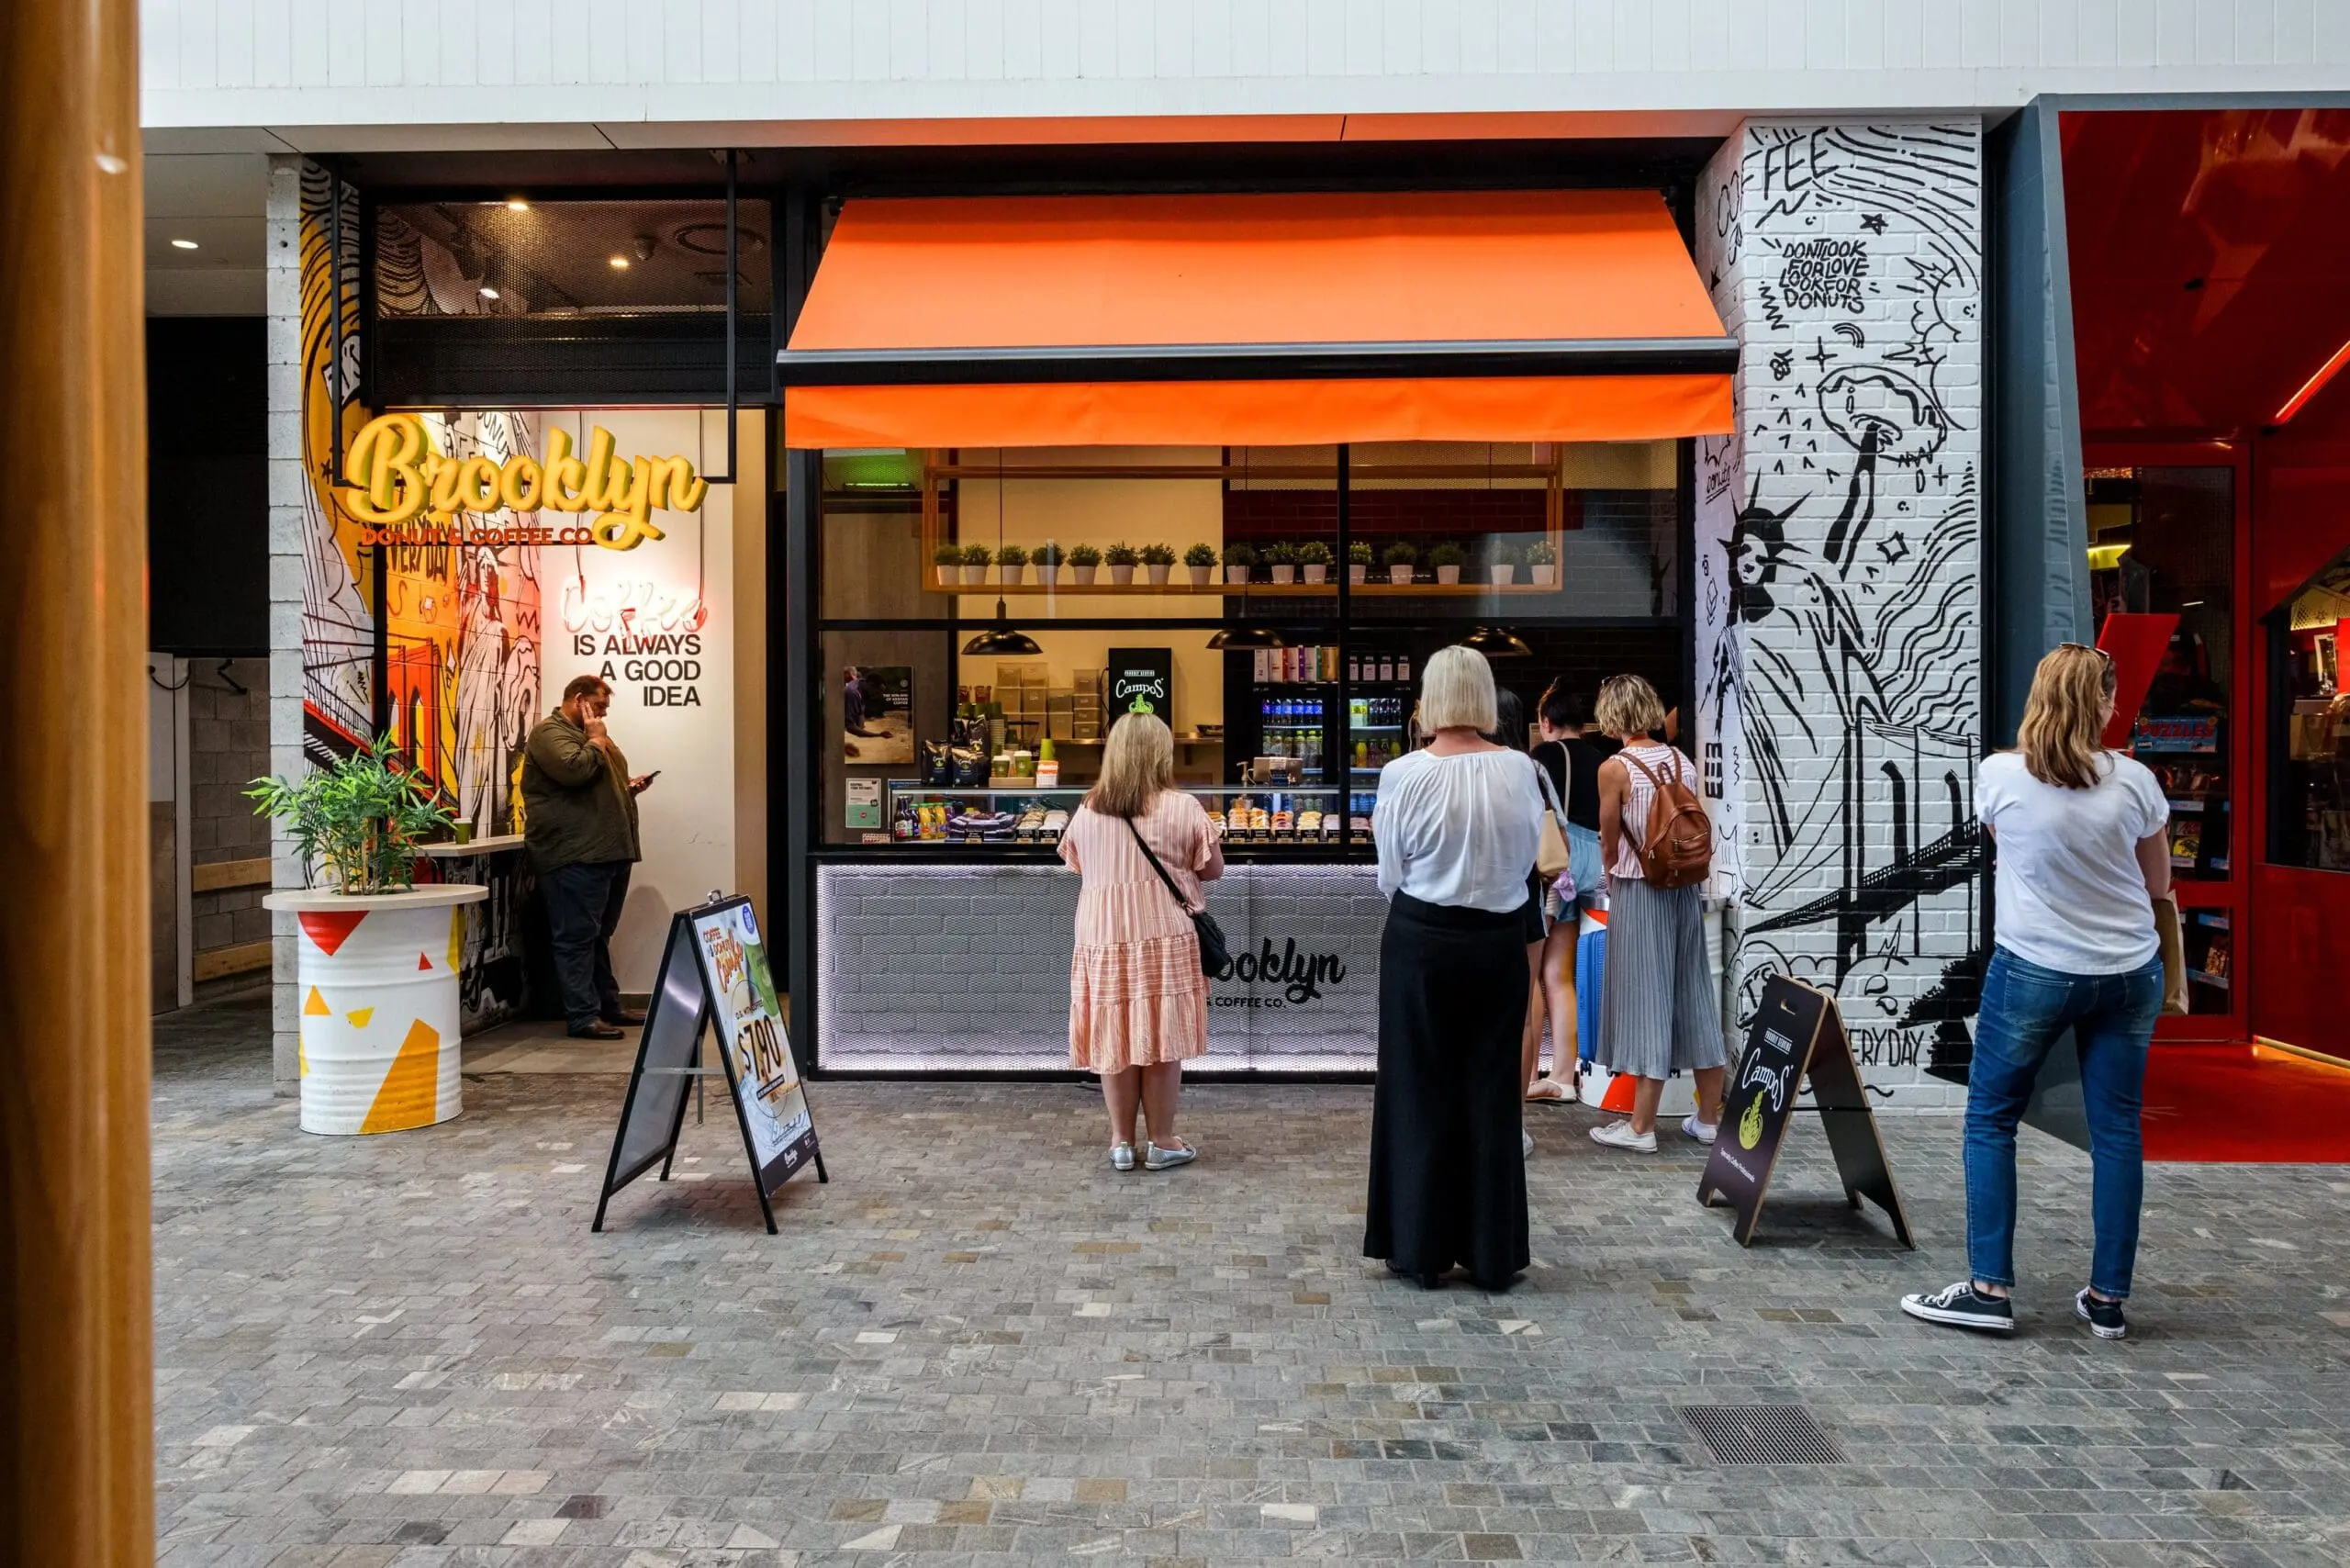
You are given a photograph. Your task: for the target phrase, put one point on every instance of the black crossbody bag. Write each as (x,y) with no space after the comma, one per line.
(1214,958)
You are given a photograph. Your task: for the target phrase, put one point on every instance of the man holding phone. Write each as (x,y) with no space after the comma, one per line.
(579,824)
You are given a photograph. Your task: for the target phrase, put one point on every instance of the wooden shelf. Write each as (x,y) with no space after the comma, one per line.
(1254,590)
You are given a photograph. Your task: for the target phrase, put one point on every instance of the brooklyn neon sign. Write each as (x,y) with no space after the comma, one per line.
(396,479)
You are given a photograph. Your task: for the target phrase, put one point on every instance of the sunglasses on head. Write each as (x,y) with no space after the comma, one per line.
(2083,647)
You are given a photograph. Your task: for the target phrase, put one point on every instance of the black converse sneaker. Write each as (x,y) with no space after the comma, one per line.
(1962,1306)
(2104,1317)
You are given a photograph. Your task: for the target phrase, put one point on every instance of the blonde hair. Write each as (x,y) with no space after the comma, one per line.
(2061,735)
(1457,692)
(1137,762)
(1628,708)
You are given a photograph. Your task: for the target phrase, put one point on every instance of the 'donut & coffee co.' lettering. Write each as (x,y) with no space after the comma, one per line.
(1302,975)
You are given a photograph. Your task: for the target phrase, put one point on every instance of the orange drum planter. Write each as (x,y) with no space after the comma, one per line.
(378,1005)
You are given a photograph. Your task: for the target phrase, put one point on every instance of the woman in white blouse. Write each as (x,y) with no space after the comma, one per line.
(1457,825)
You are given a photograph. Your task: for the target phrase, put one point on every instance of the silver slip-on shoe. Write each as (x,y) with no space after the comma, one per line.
(1121,1157)
(1157,1158)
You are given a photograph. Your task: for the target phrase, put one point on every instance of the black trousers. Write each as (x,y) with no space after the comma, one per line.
(1447,1179)
(583,911)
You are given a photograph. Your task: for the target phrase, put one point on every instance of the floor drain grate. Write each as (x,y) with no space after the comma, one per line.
(1761,1434)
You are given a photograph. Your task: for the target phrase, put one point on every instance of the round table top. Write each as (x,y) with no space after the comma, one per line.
(442,895)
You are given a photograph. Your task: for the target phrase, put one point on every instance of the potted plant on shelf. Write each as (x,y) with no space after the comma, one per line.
(1049,563)
(1121,559)
(1401,559)
(1012,566)
(361,818)
(1082,560)
(1542,561)
(1314,561)
(1504,563)
(1357,562)
(1200,560)
(975,564)
(1281,562)
(948,559)
(1237,560)
(1447,559)
(1157,561)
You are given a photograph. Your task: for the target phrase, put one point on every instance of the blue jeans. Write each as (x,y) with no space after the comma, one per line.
(2025,1009)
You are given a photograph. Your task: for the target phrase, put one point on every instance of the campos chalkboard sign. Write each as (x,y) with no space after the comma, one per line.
(715,972)
(1796,1034)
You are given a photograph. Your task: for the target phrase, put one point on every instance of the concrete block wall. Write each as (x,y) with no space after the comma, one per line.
(1839,545)
(227,747)
(287,485)
(945,967)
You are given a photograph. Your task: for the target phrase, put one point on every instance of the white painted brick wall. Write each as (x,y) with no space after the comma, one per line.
(286,534)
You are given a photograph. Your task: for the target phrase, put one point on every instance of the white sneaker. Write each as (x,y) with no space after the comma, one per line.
(1121,1157)
(1702,1131)
(1157,1158)
(1526,1145)
(1619,1135)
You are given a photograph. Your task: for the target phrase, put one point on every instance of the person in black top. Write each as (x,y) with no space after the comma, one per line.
(1572,763)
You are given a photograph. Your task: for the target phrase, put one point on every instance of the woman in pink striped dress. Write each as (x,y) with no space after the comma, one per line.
(1138,1000)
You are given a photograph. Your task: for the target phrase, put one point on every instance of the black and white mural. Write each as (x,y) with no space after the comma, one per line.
(1838,539)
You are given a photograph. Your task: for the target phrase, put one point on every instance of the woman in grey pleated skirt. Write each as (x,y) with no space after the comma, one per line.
(1657,1012)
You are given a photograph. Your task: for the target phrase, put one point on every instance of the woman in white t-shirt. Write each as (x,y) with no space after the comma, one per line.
(1458,827)
(2082,841)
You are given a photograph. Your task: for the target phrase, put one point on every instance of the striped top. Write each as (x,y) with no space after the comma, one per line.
(1665,763)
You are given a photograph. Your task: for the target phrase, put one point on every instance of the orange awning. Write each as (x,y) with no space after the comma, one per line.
(1256,320)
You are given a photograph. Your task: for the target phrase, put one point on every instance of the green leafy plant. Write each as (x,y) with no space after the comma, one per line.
(1505,553)
(976,555)
(1084,555)
(1011,555)
(1278,554)
(1447,555)
(1314,553)
(1157,555)
(1240,555)
(1541,553)
(1402,555)
(361,818)
(1048,554)
(1358,553)
(1120,555)
(1200,555)
(947,555)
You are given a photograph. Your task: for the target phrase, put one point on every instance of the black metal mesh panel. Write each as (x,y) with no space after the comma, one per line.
(497,303)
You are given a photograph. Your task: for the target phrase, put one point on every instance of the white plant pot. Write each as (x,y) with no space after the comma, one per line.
(1084,576)
(1236,575)
(1157,574)
(1284,574)
(1200,574)
(1504,576)
(1012,577)
(1120,577)
(1400,575)
(1049,575)
(1356,575)
(949,576)
(975,577)
(1315,574)
(1542,577)
(1447,575)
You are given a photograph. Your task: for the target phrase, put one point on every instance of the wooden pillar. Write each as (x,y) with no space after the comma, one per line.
(76,1351)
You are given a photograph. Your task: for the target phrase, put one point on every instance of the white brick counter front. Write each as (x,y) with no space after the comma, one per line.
(952,968)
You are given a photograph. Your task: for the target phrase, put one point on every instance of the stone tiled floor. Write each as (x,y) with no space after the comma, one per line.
(979,1345)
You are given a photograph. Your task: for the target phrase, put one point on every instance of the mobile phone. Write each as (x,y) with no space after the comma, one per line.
(652,776)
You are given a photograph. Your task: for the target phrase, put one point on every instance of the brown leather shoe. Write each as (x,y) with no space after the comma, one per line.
(630,1017)
(598,1031)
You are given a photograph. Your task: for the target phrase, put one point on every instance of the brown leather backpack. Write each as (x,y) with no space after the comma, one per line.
(1678,848)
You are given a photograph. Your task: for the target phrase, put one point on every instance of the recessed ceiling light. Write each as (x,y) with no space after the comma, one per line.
(487,293)
(183,244)
(516,204)
(620,263)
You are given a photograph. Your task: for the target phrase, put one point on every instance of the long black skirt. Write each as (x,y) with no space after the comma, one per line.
(1447,1179)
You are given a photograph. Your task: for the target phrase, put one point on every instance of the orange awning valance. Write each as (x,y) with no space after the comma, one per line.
(1256,320)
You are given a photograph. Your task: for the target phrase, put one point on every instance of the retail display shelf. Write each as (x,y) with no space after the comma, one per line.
(1254,590)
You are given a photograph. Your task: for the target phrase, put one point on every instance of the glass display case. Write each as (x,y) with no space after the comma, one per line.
(1014,815)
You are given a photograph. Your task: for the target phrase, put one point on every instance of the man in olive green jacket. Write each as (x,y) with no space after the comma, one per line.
(579,822)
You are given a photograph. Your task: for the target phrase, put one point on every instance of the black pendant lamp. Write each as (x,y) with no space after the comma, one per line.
(1497,642)
(1247,639)
(1003,640)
